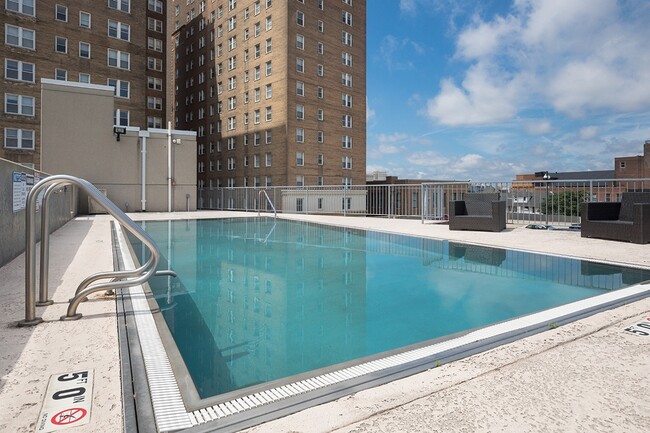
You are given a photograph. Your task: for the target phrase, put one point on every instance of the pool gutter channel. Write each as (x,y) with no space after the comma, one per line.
(288,398)
(136,400)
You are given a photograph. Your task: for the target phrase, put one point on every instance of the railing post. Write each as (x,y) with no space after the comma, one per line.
(45,248)
(30,258)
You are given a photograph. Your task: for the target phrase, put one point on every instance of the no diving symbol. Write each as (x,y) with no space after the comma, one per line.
(69,416)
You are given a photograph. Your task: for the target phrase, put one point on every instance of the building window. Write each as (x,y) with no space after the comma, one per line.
(300,65)
(346,79)
(269,45)
(622,164)
(346,17)
(269,114)
(121,118)
(157,45)
(346,162)
(269,91)
(121,88)
(19,71)
(119,30)
(320,48)
(300,88)
(61,74)
(300,181)
(119,59)
(61,13)
(84,20)
(269,68)
(346,59)
(320,136)
(84,50)
(154,103)
(156,6)
(299,201)
(19,37)
(18,104)
(300,42)
(19,139)
(154,64)
(61,45)
(155,25)
(84,78)
(346,100)
(154,122)
(346,121)
(268,159)
(300,158)
(320,92)
(25,7)
(320,114)
(300,135)
(320,26)
(123,5)
(346,142)
(300,112)
(268,137)
(320,70)
(346,38)
(320,159)
(300,18)
(154,83)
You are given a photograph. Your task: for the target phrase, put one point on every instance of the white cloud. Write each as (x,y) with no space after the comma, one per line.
(370,113)
(479,100)
(407,6)
(573,57)
(589,132)
(538,127)
(398,54)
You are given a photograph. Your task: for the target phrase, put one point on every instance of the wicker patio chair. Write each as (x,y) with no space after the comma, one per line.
(627,220)
(479,211)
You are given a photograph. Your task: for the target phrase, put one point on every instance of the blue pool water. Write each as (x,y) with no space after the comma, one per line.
(258,300)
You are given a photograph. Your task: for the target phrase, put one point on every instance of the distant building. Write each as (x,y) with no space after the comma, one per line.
(119,43)
(276,91)
(634,167)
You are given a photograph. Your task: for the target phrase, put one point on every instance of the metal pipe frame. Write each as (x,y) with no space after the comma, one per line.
(268,199)
(147,270)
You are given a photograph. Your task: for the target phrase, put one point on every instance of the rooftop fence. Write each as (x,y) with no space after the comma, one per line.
(553,202)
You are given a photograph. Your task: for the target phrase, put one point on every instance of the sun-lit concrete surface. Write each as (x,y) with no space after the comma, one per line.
(589,376)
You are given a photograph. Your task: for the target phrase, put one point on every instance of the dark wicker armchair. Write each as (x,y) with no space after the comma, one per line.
(627,220)
(479,211)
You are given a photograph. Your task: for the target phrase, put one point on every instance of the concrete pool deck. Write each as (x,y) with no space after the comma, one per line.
(590,375)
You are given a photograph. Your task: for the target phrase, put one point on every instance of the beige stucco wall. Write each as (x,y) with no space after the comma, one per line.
(78,139)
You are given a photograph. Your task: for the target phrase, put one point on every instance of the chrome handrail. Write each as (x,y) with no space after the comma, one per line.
(143,273)
(268,199)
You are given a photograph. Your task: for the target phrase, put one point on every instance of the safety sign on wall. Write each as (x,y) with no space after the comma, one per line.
(22,183)
(67,401)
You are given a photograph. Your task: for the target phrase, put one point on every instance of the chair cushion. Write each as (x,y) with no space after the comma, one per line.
(480,204)
(627,204)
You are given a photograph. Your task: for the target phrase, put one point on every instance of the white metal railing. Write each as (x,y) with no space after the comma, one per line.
(535,201)
(268,200)
(119,279)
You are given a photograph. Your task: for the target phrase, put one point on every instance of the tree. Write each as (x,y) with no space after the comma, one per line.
(565,203)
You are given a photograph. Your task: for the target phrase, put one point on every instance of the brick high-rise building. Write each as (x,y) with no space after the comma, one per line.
(276,90)
(121,43)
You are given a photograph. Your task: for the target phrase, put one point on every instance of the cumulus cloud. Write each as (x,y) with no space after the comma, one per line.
(574,58)
(589,132)
(480,99)
(538,127)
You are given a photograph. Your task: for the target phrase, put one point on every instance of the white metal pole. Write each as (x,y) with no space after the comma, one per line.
(169,166)
(144,173)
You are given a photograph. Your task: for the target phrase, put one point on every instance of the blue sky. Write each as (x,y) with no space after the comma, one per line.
(484,90)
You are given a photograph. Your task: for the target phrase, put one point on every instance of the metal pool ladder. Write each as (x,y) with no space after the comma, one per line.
(119,279)
(268,200)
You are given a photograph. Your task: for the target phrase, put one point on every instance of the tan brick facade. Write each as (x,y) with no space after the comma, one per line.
(82,29)
(237,61)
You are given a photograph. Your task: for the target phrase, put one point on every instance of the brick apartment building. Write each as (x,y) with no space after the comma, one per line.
(275,90)
(121,43)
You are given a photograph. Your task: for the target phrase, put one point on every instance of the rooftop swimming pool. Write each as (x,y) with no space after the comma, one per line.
(259,302)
